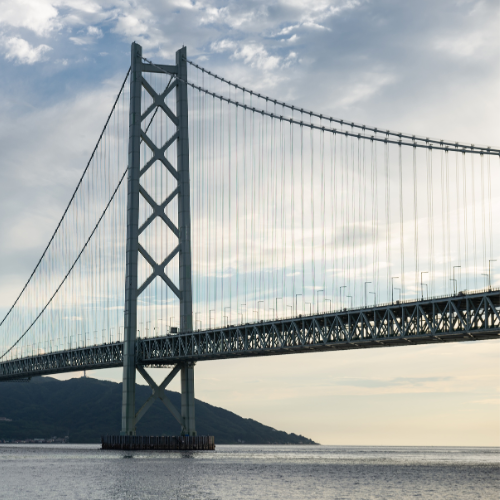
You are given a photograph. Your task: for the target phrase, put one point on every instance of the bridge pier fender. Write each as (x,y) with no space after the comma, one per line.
(187,400)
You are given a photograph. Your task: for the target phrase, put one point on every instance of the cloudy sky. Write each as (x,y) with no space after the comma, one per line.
(426,67)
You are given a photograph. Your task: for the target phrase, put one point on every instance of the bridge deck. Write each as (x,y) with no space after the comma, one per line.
(448,319)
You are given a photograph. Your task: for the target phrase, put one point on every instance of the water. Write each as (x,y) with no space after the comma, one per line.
(249,472)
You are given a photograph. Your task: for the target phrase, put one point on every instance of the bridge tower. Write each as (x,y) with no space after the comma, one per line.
(183,232)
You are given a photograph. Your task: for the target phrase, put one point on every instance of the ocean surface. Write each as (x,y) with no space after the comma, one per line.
(249,472)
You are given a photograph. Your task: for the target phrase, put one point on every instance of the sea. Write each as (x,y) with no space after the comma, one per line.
(85,472)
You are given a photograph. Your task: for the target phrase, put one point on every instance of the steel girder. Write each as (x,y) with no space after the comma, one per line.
(449,319)
(86,358)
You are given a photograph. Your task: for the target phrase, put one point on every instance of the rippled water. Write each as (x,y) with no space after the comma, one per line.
(249,472)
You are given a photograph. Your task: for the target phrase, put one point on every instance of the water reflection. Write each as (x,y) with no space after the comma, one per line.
(249,472)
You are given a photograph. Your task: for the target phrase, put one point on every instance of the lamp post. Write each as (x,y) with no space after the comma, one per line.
(277,298)
(399,290)
(349,297)
(329,300)
(489,272)
(393,278)
(366,300)
(456,282)
(422,282)
(296,310)
(374,298)
(341,301)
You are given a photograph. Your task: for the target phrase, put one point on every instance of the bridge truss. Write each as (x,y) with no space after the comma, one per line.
(449,319)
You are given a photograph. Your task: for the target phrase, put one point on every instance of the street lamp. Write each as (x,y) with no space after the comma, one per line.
(341,301)
(349,297)
(296,310)
(393,278)
(366,300)
(456,282)
(489,272)
(277,298)
(399,290)
(422,283)
(329,300)
(374,298)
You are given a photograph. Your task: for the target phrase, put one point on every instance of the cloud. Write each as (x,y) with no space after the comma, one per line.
(78,41)
(257,56)
(92,35)
(394,382)
(131,25)
(22,52)
(46,17)
(286,31)
(233,16)
(222,45)
(366,86)
(461,46)
(39,16)
(315,14)
(94,31)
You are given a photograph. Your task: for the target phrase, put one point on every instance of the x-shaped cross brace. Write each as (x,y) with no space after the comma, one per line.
(159,100)
(158,393)
(159,270)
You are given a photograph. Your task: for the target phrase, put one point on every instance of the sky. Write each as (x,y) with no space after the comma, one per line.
(426,67)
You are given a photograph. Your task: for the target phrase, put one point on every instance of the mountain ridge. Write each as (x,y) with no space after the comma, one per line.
(87,408)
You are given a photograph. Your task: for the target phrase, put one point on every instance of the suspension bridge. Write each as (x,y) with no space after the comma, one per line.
(214,222)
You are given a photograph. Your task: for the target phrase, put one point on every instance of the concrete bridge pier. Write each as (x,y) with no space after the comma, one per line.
(187,400)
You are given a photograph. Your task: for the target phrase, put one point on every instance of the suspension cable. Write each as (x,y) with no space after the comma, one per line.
(70,201)
(340,121)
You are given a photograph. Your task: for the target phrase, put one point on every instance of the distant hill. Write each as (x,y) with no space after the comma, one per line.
(87,408)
